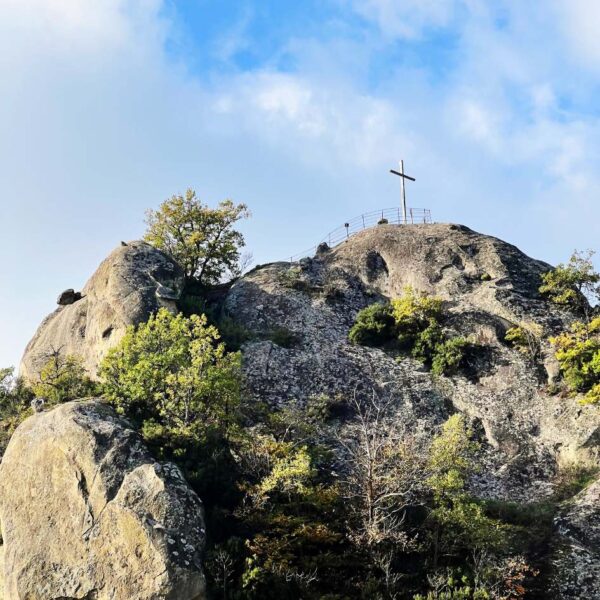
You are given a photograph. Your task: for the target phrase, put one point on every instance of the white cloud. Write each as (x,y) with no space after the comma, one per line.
(97,121)
(407,18)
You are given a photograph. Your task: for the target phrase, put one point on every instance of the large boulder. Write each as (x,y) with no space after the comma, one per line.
(86,513)
(134,281)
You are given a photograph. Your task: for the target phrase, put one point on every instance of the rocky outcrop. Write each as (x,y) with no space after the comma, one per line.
(577,559)
(488,286)
(133,282)
(86,513)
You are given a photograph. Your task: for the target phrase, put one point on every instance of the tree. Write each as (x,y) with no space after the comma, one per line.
(460,521)
(578,353)
(201,239)
(574,285)
(173,370)
(15,397)
(383,469)
(63,378)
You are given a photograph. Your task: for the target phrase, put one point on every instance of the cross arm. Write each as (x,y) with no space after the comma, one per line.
(402,175)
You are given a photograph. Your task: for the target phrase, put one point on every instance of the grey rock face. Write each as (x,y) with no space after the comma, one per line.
(86,512)
(487,285)
(577,557)
(133,282)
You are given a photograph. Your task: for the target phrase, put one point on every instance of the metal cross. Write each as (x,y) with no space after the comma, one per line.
(402,187)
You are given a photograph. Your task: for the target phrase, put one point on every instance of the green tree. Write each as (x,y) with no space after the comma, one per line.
(460,521)
(15,397)
(578,353)
(574,285)
(173,370)
(201,239)
(63,378)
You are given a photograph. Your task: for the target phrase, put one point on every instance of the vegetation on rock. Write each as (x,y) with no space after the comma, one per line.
(412,323)
(201,239)
(576,285)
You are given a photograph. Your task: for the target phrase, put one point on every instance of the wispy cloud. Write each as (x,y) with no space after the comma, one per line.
(492,105)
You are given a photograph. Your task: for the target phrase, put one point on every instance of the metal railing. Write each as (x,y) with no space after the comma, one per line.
(392,216)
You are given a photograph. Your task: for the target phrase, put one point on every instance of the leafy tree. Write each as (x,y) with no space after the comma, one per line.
(578,353)
(201,239)
(63,378)
(460,521)
(15,397)
(574,285)
(173,370)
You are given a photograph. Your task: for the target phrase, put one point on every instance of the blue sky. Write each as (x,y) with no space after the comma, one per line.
(298,109)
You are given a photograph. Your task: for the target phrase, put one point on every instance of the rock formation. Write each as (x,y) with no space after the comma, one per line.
(488,286)
(90,514)
(298,316)
(134,281)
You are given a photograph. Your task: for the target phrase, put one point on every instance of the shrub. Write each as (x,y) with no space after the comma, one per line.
(413,313)
(573,284)
(175,371)
(374,326)
(578,353)
(64,378)
(15,397)
(448,356)
(526,338)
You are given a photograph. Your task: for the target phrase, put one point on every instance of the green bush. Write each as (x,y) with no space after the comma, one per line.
(578,353)
(64,378)
(374,326)
(412,323)
(448,357)
(15,397)
(173,370)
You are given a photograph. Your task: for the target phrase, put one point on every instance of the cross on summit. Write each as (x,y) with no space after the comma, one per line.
(403,176)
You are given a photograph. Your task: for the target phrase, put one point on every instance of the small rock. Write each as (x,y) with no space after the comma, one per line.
(67,297)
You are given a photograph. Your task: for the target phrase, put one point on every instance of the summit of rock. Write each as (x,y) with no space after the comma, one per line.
(134,281)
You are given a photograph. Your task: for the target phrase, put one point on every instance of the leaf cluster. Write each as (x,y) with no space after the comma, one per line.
(201,239)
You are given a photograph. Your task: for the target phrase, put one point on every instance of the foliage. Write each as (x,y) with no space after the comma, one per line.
(201,239)
(15,397)
(460,520)
(578,353)
(413,314)
(448,356)
(526,338)
(233,334)
(373,326)
(412,323)
(173,370)
(574,284)
(63,378)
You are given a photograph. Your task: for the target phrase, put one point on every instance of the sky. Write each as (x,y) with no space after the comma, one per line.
(298,109)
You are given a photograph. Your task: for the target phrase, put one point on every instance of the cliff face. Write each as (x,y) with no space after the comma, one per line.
(488,286)
(297,318)
(130,284)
